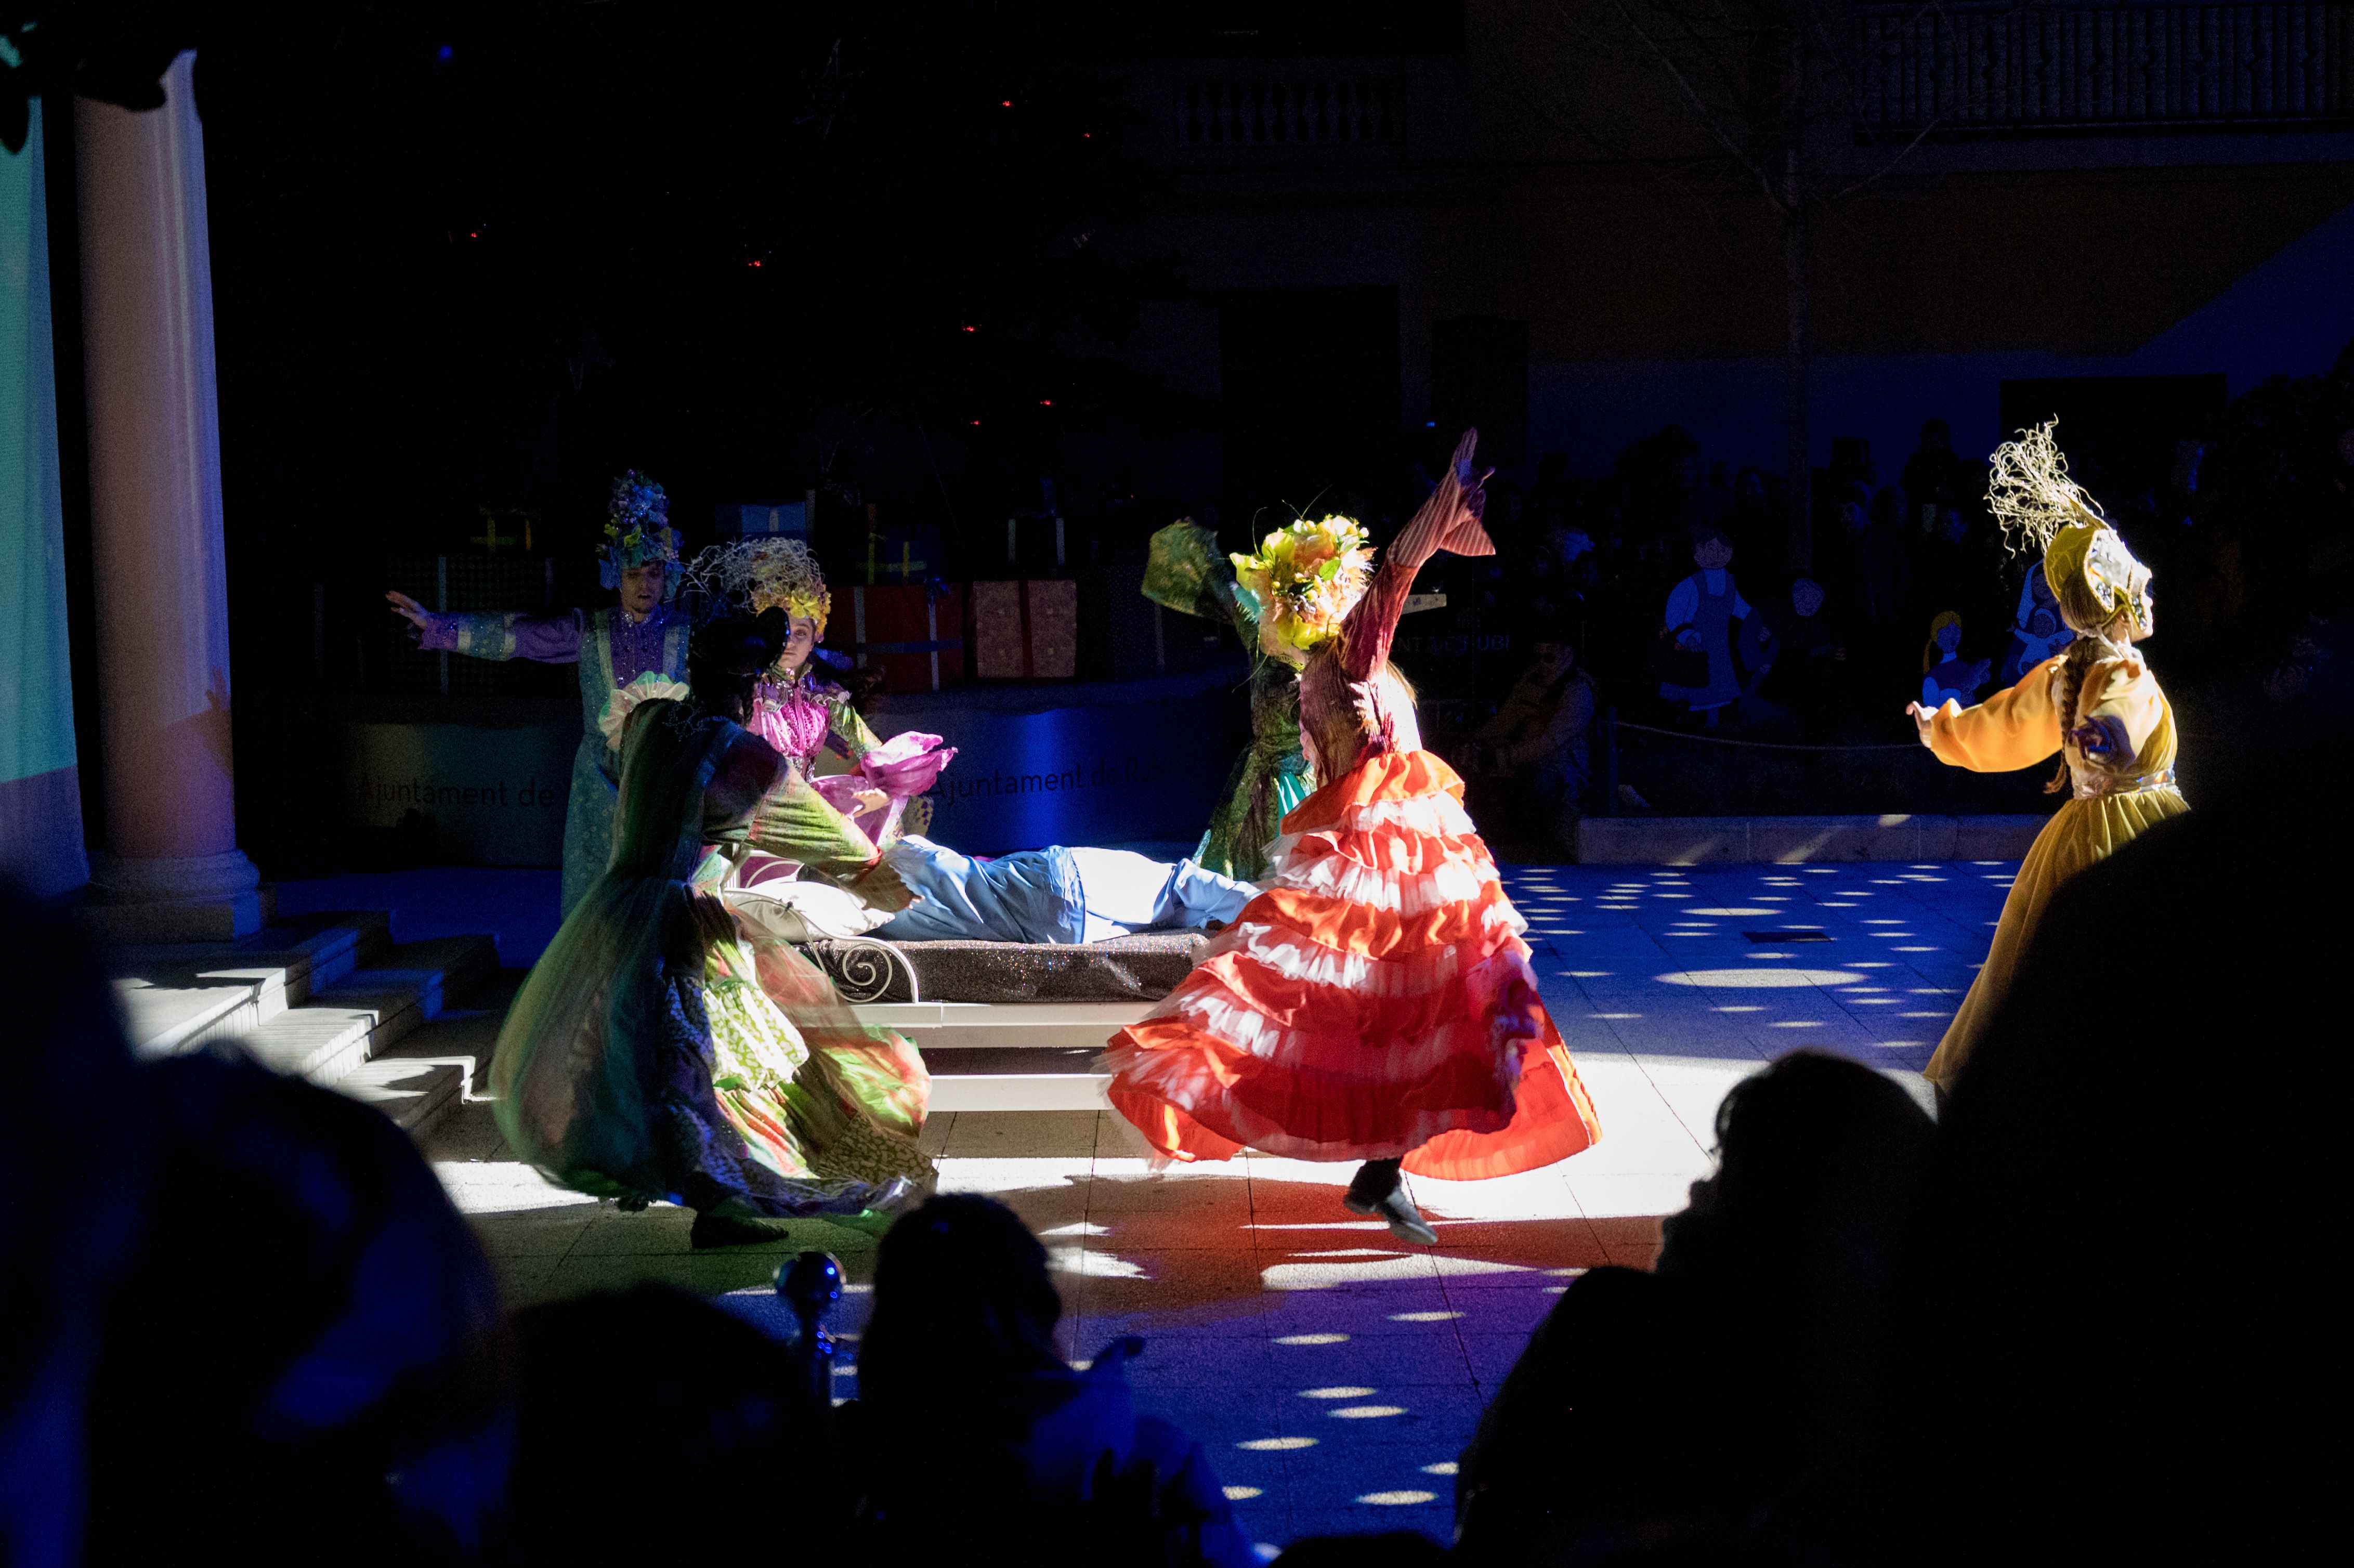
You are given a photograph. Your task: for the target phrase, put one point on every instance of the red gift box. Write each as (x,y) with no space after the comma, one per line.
(1028,629)
(914,635)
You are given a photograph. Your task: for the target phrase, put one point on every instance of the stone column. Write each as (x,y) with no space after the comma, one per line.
(173,872)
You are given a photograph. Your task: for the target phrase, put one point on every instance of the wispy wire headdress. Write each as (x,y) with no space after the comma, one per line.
(758,573)
(2094,577)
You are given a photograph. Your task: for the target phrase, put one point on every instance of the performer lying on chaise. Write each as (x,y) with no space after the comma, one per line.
(1053,895)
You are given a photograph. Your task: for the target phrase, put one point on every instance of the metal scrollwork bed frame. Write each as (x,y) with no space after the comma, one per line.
(865,969)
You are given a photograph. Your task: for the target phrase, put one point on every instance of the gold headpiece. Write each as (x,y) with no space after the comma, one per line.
(762,572)
(2094,577)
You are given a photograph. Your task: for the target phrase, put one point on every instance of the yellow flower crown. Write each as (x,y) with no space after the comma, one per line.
(1306,576)
(760,574)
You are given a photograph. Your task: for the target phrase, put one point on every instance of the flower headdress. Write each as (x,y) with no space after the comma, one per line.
(638,531)
(1307,576)
(763,573)
(2092,576)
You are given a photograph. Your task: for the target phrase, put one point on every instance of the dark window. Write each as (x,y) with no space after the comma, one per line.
(1309,396)
(1480,376)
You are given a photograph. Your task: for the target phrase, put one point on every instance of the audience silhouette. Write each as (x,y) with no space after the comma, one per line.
(2087,1314)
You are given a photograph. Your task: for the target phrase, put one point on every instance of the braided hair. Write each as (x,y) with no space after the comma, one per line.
(2076,664)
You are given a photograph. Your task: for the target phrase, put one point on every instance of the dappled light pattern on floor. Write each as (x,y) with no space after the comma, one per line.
(1332,1374)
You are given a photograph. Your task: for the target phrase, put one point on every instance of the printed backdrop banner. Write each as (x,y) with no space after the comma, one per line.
(40,791)
(492,797)
(1099,772)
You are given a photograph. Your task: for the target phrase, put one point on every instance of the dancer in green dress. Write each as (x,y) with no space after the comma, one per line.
(1188,573)
(1283,601)
(644,1059)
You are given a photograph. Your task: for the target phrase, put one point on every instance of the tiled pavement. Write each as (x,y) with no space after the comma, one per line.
(1333,1374)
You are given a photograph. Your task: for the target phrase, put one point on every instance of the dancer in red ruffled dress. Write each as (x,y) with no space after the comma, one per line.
(1376,1004)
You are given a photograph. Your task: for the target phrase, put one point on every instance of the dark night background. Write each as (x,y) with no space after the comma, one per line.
(945,261)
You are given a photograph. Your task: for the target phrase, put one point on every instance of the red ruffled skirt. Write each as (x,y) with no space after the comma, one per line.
(1376,1002)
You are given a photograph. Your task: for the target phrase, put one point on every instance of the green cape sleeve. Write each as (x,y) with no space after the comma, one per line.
(1185,571)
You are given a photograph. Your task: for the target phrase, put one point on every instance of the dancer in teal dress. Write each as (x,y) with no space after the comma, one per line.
(612,647)
(645,1058)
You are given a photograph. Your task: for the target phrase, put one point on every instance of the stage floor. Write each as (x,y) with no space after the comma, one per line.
(1332,1374)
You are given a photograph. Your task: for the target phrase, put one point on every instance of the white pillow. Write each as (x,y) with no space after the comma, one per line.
(803,911)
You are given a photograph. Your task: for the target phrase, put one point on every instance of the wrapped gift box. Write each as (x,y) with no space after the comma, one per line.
(1027,629)
(914,635)
(1035,546)
(897,557)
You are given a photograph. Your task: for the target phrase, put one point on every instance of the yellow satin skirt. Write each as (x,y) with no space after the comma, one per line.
(2084,832)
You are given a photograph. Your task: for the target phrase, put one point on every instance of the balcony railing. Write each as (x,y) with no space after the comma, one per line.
(1278,114)
(2114,67)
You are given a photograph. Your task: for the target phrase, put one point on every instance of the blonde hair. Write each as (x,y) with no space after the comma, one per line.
(1929,655)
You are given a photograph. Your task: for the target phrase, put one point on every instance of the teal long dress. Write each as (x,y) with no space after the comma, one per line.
(1188,573)
(647,1056)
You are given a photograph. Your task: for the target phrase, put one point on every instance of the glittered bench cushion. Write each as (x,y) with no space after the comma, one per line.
(1141,969)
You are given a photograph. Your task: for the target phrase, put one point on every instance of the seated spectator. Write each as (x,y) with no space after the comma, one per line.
(75,1136)
(1535,746)
(1935,477)
(2095,1385)
(975,1420)
(1838,563)
(296,1364)
(707,1417)
(1668,1408)
(1807,674)
(1887,560)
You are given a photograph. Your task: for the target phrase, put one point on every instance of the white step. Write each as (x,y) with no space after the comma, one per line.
(319,998)
(1019,1092)
(415,1092)
(995,1026)
(162,1020)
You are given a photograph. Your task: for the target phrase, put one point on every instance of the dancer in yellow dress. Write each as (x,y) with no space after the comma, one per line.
(2097,704)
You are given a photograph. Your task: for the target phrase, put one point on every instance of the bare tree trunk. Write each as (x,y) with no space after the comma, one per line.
(1795,367)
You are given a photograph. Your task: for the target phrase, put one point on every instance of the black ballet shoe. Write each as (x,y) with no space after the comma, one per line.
(1396,1211)
(726,1230)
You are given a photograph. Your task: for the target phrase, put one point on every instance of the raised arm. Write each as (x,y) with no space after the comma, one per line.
(1449,521)
(2013,729)
(495,634)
